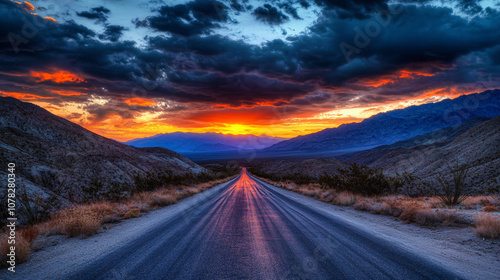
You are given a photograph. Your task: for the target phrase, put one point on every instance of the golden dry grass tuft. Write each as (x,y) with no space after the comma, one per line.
(345,199)
(491,208)
(77,221)
(23,249)
(487,226)
(133,212)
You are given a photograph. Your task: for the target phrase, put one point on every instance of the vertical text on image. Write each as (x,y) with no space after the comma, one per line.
(12,219)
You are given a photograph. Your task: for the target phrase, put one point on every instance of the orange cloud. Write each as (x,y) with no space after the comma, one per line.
(140,101)
(58,77)
(24,96)
(410,74)
(374,82)
(236,116)
(29,6)
(68,92)
(50,18)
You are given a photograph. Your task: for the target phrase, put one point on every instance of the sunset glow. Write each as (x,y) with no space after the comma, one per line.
(123,79)
(58,77)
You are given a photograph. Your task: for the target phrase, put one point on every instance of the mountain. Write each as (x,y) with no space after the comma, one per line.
(437,138)
(189,143)
(54,156)
(476,143)
(390,127)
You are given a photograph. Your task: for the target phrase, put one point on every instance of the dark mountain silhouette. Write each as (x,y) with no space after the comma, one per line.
(190,143)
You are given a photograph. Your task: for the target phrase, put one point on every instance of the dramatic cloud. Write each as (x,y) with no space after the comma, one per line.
(99,14)
(194,18)
(270,15)
(197,64)
(112,33)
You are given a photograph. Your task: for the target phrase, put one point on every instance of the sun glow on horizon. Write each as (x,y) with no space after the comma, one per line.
(146,123)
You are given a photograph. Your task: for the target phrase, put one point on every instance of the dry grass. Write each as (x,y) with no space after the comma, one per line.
(491,208)
(77,221)
(132,213)
(487,226)
(23,249)
(424,211)
(161,200)
(29,233)
(410,210)
(476,202)
(345,199)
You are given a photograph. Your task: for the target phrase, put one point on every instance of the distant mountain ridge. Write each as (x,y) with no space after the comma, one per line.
(390,127)
(187,142)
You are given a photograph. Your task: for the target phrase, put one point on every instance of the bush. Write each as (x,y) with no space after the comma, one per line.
(359,179)
(457,190)
(487,226)
(23,249)
(161,200)
(490,208)
(77,221)
(345,199)
(132,213)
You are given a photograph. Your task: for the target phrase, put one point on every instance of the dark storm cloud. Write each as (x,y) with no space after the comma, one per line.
(100,14)
(353,8)
(240,6)
(270,15)
(290,9)
(191,64)
(112,33)
(470,7)
(194,18)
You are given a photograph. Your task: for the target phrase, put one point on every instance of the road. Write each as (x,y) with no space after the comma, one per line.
(250,230)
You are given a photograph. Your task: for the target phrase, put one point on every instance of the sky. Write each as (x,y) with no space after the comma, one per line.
(131,69)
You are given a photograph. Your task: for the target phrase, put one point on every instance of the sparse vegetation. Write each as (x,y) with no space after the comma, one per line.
(359,179)
(421,210)
(454,191)
(487,226)
(23,249)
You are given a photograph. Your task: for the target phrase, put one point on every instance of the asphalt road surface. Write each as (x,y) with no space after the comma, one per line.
(250,230)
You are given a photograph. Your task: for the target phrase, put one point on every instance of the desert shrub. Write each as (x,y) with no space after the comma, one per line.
(34,207)
(345,199)
(132,213)
(410,210)
(359,179)
(487,226)
(410,185)
(23,249)
(77,221)
(427,217)
(29,233)
(161,200)
(454,191)
(491,208)
(150,181)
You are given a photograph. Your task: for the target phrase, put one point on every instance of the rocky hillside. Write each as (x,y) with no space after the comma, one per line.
(476,143)
(56,157)
(388,128)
